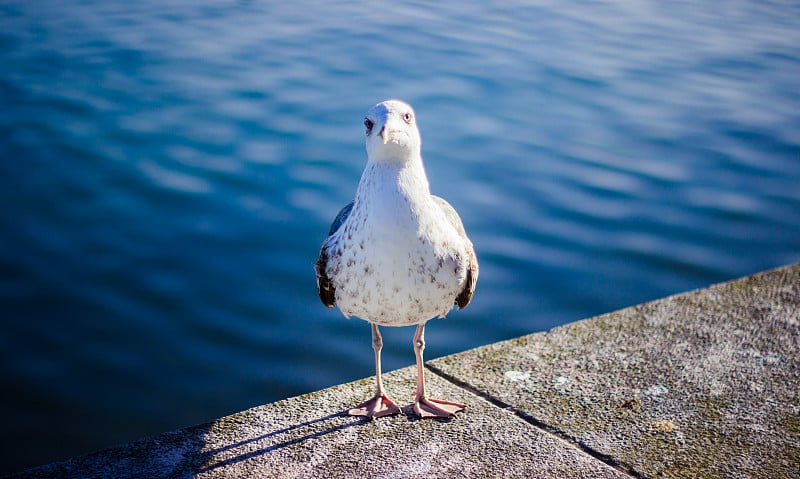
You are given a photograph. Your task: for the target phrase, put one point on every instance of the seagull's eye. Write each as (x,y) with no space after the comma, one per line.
(368,123)
(407,118)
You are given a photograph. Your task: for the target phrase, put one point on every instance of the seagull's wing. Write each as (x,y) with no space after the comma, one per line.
(325,288)
(340,218)
(465,296)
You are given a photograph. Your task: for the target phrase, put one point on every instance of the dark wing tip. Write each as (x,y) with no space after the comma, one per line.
(325,289)
(466,294)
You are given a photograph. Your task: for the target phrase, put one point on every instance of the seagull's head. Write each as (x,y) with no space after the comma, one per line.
(392,133)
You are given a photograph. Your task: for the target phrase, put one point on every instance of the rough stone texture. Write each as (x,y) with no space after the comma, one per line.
(311,437)
(703,384)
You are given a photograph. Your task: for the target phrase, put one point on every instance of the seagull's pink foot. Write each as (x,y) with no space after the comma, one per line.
(426,407)
(378,406)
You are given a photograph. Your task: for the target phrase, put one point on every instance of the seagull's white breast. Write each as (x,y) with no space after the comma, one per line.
(396,261)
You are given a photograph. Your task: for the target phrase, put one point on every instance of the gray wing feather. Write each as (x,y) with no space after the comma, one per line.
(325,287)
(340,218)
(465,296)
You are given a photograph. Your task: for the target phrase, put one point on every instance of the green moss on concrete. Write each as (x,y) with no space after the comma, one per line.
(712,408)
(790,423)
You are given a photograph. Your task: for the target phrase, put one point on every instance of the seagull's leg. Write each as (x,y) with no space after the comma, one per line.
(379,405)
(423,405)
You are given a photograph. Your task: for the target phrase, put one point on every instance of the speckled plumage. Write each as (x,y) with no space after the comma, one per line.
(396,255)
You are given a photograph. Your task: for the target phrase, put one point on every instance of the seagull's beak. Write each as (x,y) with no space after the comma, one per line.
(389,132)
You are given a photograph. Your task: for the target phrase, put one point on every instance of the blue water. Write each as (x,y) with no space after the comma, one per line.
(169,169)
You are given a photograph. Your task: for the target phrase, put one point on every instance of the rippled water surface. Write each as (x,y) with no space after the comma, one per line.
(169,169)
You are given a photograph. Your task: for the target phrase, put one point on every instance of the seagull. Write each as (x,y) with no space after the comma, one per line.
(396,255)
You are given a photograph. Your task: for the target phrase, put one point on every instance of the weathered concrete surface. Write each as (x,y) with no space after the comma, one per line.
(310,437)
(703,384)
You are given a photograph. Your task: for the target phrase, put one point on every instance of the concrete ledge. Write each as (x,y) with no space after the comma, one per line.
(703,384)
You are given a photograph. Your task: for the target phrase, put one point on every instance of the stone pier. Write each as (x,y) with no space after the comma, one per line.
(704,384)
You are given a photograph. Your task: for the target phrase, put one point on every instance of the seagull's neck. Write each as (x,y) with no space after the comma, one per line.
(392,197)
(394,181)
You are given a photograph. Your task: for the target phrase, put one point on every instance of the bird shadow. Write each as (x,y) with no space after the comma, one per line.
(207,458)
(411,416)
